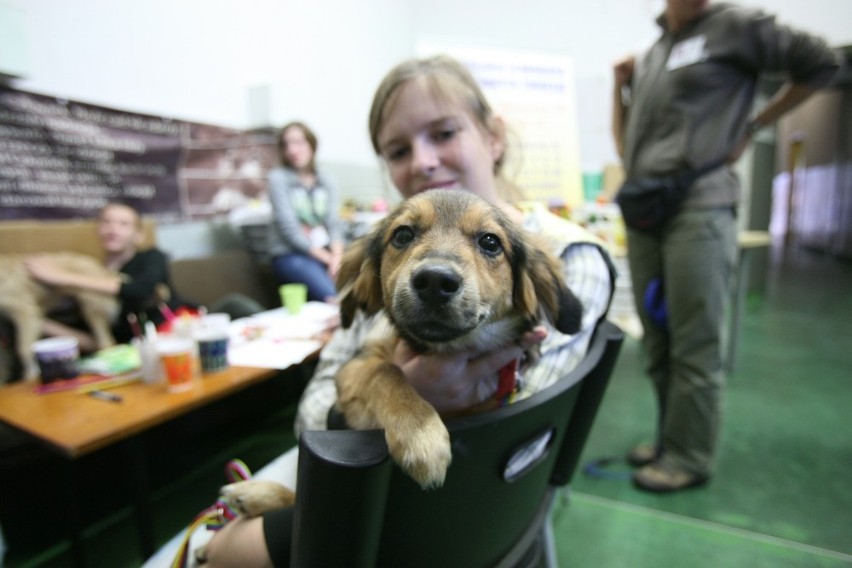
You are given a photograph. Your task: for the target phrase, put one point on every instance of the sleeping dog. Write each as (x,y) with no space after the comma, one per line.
(449,274)
(25,302)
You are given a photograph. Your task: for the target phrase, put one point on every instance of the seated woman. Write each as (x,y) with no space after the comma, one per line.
(306,237)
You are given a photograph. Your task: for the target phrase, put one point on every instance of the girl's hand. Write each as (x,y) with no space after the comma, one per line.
(456,382)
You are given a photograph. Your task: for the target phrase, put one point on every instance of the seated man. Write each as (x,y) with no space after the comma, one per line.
(140,282)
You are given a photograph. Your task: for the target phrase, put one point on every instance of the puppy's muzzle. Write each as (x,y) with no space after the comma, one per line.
(435,285)
(435,305)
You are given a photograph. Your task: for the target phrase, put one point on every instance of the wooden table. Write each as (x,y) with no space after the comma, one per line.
(74,424)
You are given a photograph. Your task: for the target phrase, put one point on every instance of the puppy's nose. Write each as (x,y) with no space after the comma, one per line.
(435,284)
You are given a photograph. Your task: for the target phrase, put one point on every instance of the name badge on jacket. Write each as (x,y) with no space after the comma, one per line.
(687,52)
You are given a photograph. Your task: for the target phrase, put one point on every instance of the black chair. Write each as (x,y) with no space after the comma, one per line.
(355,508)
(254,237)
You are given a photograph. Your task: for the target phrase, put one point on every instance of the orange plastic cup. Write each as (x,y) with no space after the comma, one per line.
(176,354)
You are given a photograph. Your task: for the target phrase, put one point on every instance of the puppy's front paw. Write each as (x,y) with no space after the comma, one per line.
(254,497)
(421,448)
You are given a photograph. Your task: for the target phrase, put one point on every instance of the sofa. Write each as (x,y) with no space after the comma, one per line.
(204,281)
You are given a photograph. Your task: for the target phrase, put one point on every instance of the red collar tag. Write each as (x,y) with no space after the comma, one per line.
(507,379)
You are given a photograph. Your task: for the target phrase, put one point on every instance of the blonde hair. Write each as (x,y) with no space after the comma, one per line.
(448,80)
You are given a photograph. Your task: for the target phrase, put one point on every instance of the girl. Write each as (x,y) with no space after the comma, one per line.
(432,127)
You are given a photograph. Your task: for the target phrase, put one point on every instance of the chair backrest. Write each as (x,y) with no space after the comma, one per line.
(255,239)
(355,508)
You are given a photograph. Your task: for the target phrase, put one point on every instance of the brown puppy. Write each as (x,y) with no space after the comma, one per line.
(452,273)
(26,301)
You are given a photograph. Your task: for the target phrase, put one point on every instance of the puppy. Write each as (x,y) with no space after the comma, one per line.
(25,302)
(452,274)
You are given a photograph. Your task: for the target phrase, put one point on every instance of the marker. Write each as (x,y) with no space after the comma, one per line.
(107,396)
(134,324)
(167,313)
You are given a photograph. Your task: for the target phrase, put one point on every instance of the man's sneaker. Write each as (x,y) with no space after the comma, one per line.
(658,478)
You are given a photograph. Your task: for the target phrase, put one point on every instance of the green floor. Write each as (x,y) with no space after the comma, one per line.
(781,495)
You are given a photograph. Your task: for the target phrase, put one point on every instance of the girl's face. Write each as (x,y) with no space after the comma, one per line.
(297,151)
(428,143)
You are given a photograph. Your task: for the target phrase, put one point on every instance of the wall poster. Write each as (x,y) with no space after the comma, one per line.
(62,159)
(534,93)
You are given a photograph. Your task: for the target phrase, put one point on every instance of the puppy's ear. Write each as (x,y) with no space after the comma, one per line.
(540,288)
(359,280)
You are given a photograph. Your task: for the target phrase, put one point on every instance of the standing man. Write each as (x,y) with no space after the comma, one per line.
(686,103)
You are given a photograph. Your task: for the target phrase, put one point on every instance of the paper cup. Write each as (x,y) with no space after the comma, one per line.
(176,355)
(212,349)
(57,358)
(216,321)
(293,297)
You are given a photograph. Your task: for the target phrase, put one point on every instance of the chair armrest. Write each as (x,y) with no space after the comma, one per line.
(340,498)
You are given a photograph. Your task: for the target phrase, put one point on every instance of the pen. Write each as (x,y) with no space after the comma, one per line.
(108,396)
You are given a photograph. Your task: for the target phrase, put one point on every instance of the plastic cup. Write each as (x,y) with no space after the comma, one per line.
(592,184)
(293,297)
(212,348)
(217,321)
(176,355)
(57,358)
(149,359)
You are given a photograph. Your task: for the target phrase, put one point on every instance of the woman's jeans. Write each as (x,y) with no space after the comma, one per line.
(300,268)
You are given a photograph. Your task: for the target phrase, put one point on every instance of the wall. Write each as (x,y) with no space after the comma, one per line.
(320,60)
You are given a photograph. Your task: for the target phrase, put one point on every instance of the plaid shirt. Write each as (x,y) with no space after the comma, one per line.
(588,276)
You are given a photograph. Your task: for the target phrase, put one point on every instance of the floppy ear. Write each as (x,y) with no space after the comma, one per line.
(540,288)
(359,280)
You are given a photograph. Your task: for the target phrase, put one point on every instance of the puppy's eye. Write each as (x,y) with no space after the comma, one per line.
(490,244)
(402,236)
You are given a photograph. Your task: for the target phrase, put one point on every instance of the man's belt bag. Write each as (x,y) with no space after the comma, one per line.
(648,203)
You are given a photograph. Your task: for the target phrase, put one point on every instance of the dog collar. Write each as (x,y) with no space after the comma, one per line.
(508,383)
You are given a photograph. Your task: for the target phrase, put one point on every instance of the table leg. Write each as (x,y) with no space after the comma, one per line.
(138,476)
(741,284)
(72,510)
